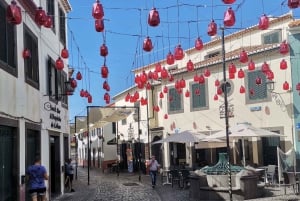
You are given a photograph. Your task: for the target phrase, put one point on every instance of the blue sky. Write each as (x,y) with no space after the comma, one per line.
(126,27)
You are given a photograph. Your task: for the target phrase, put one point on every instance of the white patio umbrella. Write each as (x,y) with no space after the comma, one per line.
(242,131)
(182,137)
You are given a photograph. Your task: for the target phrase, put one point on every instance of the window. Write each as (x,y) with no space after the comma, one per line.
(175,101)
(256,93)
(8,57)
(51,12)
(199,98)
(62,26)
(124,121)
(56,83)
(212,54)
(31,64)
(273,37)
(114,128)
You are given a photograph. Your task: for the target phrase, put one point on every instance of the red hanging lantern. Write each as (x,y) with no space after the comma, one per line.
(243,57)
(59,64)
(73,83)
(298,86)
(78,76)
(166,116)
(293,3)
(144,77)
(158,67)
(231,76)
(228,1)
(206,72)
(263,22)
(265,67)
(283,64)
(148,86)
(82,92)
(251,92)
(153,18)
(190,66)
(97,10)
(216,97)
(270,75)
(201,79)
(164,73)
(182,83)
(105,84)
(217,83)
(241,73)
(107,87)
(48,22)
(232,68)
(14,13)
(103,50)
(104,71)
(198,44)
(86,93)
(99,25)
(106,96)
(155,75)
(170,58)
(177,85)
(64,53)
(242,89)
(284,48)
(258,81)
(40,16)
(197,92)
(212,28)
(251,65)
(136,95)
(187,93)
(171,78)
(161,95)
(147,45)
(137,79)
(229,18)
(26,53)
(150,74)
(165,90)
(285,86)
(178,53)
(196,78)
(219,91)
(127,97)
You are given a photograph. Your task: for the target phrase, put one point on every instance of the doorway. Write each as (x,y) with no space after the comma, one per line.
(55,167)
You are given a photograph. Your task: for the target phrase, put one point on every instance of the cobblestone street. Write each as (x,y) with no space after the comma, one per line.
(127,187)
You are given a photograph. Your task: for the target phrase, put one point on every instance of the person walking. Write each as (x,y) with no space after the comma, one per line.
(153,167)
(36,175)
(69,175)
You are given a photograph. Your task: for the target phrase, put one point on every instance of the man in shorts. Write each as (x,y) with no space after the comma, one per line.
(37,174)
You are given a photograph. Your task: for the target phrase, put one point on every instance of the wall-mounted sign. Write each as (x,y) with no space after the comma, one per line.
(255,108)
(54,115)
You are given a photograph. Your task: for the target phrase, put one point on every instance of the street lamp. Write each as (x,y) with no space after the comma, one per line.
(226,113)
(270,85)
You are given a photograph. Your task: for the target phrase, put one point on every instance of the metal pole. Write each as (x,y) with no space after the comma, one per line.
(226,114)
(88,144)
(117,141)
(76,147)
(139,135)
(148,127)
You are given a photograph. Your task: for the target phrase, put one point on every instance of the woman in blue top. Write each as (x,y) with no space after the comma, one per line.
(37,175)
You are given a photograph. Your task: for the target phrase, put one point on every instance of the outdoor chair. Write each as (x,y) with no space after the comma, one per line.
(175,177)
(289,179)
(185,178)
(270,174)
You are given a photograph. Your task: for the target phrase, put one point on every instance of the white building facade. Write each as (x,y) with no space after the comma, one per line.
(34,117)
(199,105)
